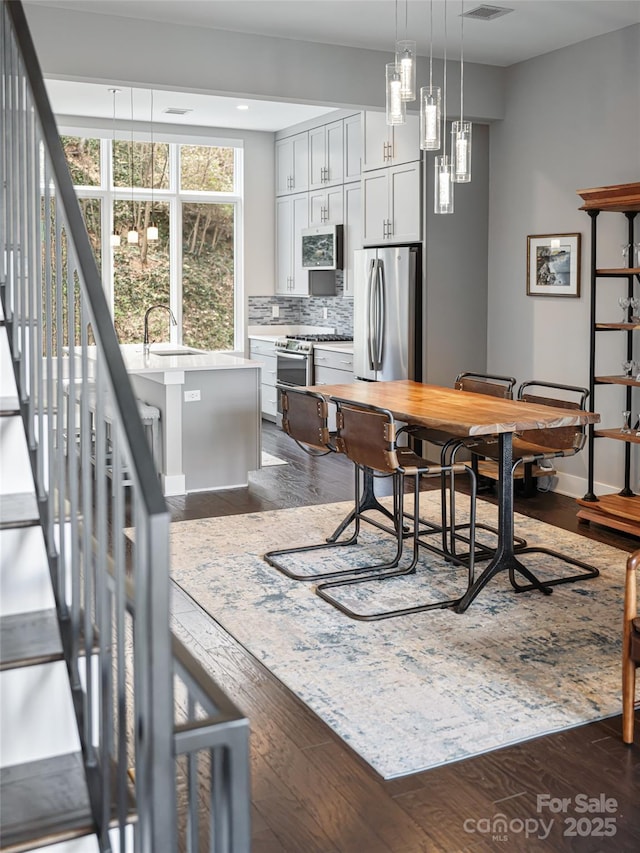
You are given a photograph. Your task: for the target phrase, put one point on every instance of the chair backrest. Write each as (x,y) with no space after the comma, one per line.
(486,383)
(367,435)
(305,417)
(563,397)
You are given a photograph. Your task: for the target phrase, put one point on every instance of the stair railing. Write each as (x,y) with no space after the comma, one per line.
(104,517)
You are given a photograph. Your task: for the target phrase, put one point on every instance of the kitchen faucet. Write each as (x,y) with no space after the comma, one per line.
(145,340)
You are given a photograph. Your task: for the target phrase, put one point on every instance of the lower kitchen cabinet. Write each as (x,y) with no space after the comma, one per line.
(332,367)
(264,351)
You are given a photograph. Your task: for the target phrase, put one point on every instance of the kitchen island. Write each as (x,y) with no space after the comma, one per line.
(209,405)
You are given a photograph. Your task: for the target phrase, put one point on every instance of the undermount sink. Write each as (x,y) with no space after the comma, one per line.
(174,351)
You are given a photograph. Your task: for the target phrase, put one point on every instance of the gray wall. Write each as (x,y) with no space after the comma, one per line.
(572,120)
(456,280)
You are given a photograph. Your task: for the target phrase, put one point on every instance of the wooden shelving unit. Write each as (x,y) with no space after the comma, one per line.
(619,511)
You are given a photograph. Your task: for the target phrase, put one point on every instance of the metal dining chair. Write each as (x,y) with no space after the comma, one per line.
(531,447)
(368,436)
(305,418)
(493,385)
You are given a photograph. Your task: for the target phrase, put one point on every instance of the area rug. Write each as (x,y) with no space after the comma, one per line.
(268,460)
(419,691)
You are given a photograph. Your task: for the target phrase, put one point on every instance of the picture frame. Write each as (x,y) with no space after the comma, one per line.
(553,265)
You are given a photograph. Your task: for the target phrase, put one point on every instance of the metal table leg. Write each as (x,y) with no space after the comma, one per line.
(504,558)
(368,501)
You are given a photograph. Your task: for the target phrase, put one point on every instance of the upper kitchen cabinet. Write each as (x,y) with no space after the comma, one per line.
(292,215)
(391,205)
(352,148)
(292,164)
(389,146)
(326,155)
(352,232)
(326,206)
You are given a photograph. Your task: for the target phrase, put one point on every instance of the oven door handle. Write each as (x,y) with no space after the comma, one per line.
(291,355)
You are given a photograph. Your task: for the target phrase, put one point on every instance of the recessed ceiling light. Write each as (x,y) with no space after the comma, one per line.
(242,107)
(176,111)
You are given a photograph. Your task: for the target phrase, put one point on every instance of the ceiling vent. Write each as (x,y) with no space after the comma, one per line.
(176,111)
(487,13)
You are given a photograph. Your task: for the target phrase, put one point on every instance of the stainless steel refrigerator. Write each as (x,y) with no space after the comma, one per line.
(387,313)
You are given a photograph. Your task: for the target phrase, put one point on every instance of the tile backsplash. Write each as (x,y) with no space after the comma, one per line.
(304,310)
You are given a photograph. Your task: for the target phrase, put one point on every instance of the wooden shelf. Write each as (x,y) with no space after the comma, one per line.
(619,198)
(629,437)
(489,468)
(622,327)
(617,380)
(613,511)
(620,272)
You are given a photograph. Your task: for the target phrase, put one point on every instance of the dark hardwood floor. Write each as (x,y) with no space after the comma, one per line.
(312,794)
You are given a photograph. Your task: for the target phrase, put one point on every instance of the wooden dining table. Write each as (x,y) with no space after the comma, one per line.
(466,414)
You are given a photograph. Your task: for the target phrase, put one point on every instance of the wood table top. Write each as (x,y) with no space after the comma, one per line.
(460,413)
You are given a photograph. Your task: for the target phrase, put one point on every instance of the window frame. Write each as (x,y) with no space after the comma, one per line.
(175,198)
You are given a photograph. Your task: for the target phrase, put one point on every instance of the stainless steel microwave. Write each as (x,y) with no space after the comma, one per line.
(322,247)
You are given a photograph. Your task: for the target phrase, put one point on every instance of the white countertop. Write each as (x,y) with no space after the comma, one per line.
(185,358)
(272,333)
(338,346)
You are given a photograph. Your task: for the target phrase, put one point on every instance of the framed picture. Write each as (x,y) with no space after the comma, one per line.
(553,265)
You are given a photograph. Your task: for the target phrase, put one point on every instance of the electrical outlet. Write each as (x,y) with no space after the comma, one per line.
(325,313)
(191,396)
(275,311)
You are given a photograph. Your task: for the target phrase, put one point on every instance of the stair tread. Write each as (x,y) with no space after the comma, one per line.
(44,799)
(27,639)
(9,406)
(19,510)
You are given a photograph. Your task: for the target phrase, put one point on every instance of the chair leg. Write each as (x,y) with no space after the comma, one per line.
(321,589)
(588,573)
(356,517)
(628,699)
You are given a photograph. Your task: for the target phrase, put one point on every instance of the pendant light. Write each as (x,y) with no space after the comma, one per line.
(152,230)
(443,184)
(461,130)
(430,102)
(114,239)
(396,106)
(132,234)
(406,61)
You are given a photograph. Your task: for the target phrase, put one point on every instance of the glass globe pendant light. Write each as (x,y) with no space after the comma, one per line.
(430,103)
(461,130)
(152,230)
(443,169)
(132,234)
(396,107)
(114,239)
(406,59)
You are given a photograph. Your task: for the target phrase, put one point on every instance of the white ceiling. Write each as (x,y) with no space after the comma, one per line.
(534,27)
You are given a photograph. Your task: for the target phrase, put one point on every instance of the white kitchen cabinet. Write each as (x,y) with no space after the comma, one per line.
(326,155)
(265,351)
(352,148)
(292,164)
(326,206)
(352,232)
(391,205)
(388,146)
(292,215)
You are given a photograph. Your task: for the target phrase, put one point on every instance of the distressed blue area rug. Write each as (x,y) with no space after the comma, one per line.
(414,692)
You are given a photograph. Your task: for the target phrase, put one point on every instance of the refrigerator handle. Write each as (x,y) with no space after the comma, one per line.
(371,317)
(379,316)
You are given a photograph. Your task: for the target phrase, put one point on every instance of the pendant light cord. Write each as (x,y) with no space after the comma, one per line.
(461,60)
(152,157)
(444,114)
(430,46)
(131,162)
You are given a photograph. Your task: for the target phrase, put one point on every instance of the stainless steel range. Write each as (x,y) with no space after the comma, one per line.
(294,358)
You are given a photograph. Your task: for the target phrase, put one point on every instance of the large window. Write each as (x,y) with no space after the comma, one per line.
(190,193)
